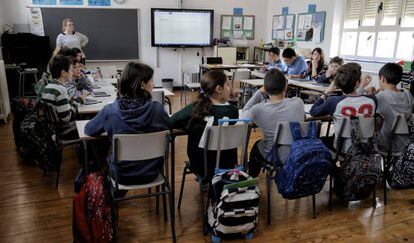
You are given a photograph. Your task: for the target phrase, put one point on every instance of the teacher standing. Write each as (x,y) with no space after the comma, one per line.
(70,38)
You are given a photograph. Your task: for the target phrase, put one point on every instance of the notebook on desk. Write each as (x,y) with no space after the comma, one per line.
(100,94)
(91,102)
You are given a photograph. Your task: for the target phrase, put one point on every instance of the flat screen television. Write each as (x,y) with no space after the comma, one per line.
(181,27)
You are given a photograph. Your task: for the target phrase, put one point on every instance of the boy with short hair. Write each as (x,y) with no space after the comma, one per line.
(266,108)
(79,84)
(391,101)
(275,60)
(55,93)
(296,65)
(329,75)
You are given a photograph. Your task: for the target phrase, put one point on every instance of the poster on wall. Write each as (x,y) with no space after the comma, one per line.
(99,2)
(36,22)
(71,2)
(44,2)
(311,27)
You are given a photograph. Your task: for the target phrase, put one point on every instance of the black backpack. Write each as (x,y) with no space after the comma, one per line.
(402,170)
(358,174)
(38,140)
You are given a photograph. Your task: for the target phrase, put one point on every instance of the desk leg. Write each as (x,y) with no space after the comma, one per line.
(173,176)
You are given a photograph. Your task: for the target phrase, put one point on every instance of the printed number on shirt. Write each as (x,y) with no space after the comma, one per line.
(364,110)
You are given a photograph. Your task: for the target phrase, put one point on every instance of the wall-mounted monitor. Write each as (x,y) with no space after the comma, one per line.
(181,27)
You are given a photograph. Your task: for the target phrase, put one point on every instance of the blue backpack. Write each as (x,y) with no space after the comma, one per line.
(305,171)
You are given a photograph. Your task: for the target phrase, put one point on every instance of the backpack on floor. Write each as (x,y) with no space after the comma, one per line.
(21,107)
(358,174)
(402,170)
(235,203)
(94,211)
(38,140)
(305,171)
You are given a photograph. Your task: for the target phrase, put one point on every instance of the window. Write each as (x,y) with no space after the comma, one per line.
(378,29)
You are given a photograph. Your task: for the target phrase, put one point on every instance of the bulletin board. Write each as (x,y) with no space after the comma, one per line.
(237,26)
(283,27)
(311,27)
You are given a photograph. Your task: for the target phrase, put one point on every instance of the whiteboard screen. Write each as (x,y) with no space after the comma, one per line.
(182,27)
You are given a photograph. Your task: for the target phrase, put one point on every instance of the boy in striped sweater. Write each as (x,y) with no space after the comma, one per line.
(55,93)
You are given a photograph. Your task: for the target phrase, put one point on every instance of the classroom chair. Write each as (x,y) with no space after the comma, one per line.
(283,140)
(141,147)
(53,119)
(367,128)
(217,138)
(23,74)
(399,128)
(158,95)
(190,82)
(237,75)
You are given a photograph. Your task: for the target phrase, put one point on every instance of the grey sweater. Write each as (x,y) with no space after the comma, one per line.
(389,105)
(266,115)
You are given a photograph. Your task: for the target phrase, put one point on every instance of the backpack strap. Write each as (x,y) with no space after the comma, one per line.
(354,122)
(295,130)
(313,130)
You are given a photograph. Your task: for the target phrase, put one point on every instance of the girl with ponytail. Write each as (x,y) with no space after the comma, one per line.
(211,102)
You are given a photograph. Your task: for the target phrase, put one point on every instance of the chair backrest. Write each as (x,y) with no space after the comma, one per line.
(400,126)
(228,137)
(49,112)
(241,74)
(283,134)
(137,147)
(158,95)
(366,127)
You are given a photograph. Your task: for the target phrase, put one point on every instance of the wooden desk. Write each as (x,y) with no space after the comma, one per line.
(310,85)
(258,74)
(107,87)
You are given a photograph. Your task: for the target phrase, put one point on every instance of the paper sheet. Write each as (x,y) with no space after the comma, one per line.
(248,23)
(289,21)
(316,34)
(99,2)
(237,34)
(281,22)
(288,34)
(237,24)
(274,34)
(301,22)
(248,34)
(71,2)
(280,34)
(44,2)
(308,21)
(226,24)
(275,22)
(36,22)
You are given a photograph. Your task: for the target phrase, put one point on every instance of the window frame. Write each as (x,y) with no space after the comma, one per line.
(377,28)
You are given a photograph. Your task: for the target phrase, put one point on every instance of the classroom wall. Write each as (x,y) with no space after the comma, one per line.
(301,6)
(1,25)
(166,60)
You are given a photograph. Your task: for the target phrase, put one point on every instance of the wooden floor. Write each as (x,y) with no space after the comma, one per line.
(32,210)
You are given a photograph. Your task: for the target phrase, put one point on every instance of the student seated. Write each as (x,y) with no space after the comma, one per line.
(266,108)
(55,93)
(275,60)
(79,84)
(79,57)
(317,65)
(212,102)
(348,79)
(391,101)
(329,75)
(296,65)
(132,112)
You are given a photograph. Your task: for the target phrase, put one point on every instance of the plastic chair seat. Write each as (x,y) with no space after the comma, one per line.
(158,181)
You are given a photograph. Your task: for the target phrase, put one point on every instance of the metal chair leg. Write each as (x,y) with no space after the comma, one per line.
(374,197)
(268,175)
(164,203)
(58,173)
(330,193)
(157,203)
(202,208)
(182,188)
(314,205)
(386,163)
(172,216)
